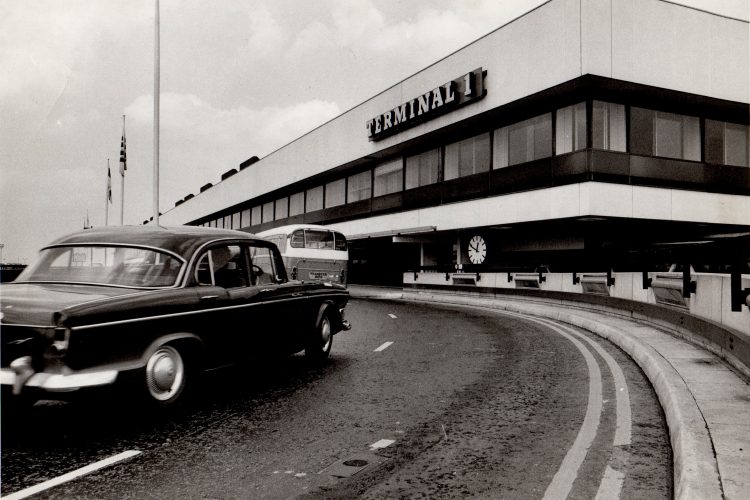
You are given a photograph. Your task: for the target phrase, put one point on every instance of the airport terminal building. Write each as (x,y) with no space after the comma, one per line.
(584,136)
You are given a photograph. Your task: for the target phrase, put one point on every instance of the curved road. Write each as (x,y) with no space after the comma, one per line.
(417,401)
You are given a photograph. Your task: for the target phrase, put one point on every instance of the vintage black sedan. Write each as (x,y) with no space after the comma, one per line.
(151,307)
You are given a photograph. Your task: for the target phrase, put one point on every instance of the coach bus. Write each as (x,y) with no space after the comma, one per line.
(311,252)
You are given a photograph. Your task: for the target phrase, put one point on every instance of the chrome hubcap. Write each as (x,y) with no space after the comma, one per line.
(165,373)
(325,333)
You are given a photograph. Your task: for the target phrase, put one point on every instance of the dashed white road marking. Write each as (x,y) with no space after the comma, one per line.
(383,347)
(393,316)
(32,490)
(383,443)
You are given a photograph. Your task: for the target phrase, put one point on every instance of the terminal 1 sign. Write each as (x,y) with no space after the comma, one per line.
(447,97)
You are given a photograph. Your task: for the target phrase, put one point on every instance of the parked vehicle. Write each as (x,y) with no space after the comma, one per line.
(311,252)
(151,307)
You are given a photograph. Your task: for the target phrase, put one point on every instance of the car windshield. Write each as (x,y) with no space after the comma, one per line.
(104,265)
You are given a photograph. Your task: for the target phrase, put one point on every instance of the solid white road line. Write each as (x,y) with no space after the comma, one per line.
(383,443)
(562,483)
(623,431)
(611,484)
(383,347)
(393,316)
(612,481)
(71,475)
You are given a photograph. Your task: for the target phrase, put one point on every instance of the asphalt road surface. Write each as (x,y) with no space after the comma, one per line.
(417,401)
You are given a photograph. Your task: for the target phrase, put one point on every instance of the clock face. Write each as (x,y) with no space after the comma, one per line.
(477,250)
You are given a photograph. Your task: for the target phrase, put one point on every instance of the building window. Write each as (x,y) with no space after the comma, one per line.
(608,126)
(726,143)
(423,169)
(335,193)
(359,187)
(268,212)
(281,208)
(655,133)
(467,157)
(236,221)
(256,219)
(297,204)
(245,220)
(524,141)
(388,178)
(570,130)
(314,199)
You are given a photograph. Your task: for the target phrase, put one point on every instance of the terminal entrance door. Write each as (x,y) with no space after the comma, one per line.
(379,261)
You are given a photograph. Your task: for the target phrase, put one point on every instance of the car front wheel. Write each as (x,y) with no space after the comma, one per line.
(319,346)
(166,375)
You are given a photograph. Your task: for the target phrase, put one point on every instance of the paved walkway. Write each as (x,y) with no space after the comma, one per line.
(706,404)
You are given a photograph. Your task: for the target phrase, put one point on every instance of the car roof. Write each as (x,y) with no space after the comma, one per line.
(182,240)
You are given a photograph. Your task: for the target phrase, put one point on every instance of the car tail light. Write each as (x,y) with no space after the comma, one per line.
(60,341)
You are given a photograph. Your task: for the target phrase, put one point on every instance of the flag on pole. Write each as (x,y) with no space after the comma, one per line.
(123,158)
(109,185)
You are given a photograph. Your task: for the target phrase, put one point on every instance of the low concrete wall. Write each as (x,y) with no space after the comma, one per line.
(704,318)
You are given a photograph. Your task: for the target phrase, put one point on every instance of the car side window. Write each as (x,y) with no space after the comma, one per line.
(224,266)
(230,270)
(203,275)
(263,266)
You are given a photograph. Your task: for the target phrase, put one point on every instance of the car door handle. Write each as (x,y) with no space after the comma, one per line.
(297,294)
(209,297)
(263,290)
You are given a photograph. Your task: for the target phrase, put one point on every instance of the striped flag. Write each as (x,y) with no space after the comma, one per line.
(123,158)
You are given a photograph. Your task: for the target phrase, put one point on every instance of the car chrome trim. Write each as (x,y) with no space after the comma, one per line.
(58,382)
(89,283)
(21,325)
(192,313)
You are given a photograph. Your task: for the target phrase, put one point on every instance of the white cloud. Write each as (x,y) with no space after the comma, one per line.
(199,141)
(267,36)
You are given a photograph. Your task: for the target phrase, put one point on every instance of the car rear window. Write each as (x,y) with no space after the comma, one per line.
(104,265)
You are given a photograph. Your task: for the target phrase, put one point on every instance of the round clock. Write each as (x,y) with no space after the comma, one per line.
(477,249)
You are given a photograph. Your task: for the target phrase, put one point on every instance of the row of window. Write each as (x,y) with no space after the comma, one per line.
(651,133)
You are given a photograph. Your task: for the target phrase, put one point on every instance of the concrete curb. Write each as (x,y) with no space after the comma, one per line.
(696,472)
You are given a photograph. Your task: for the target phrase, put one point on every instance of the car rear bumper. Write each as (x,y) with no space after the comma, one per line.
(59,382)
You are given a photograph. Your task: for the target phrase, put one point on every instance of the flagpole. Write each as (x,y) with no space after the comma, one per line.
(123,168)
(156,115)
(107,195)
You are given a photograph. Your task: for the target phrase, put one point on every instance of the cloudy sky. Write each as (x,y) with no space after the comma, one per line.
(238,78)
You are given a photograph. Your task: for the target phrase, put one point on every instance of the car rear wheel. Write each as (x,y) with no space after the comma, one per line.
(319,346)
(166,375)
